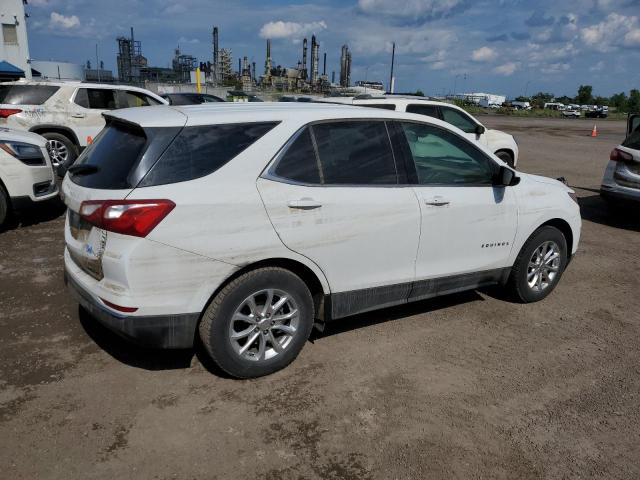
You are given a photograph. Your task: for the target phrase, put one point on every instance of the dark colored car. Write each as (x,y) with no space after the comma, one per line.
(190,98)
(599,113)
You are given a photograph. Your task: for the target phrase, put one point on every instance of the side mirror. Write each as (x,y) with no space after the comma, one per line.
(479,130)
(506,177)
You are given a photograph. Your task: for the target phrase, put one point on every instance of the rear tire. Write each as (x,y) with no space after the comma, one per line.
(541,261)
(506,158)
(247,340)
(62,151)
(5,207)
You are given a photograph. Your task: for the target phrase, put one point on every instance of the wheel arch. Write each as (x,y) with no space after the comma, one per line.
(66,131)
(507,150)
(564,228)
(315,281)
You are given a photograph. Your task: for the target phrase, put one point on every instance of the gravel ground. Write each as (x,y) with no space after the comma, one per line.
(465,386)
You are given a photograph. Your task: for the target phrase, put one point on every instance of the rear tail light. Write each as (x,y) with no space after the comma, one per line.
(7,112)
(620,156)
(119,308)
(128,217)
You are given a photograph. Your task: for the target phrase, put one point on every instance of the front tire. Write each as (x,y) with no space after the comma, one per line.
(4,207)
(258,323)
(539,265)
(62,150)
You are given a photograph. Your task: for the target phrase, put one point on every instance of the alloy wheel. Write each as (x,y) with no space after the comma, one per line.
(264,325)
(58,152)
(544,266)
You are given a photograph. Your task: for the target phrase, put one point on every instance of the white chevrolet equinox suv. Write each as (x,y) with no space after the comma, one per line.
(247,224)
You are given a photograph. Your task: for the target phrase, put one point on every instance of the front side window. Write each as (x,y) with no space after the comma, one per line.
(130,99)
(200,150)
(428,110)
(458,119)
(633,139)
(355,152)
(443,158)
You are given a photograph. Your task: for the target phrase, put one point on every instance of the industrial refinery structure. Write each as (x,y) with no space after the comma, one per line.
(306,76)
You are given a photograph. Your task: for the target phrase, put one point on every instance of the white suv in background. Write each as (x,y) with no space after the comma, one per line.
(500,143)
(26,174)
(247,223)
(67,114)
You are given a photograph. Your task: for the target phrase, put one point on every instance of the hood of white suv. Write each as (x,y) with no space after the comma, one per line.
(11,135)
(497,136)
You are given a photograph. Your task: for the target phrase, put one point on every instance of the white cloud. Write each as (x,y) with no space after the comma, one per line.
(506,69)
(555,68)
(484,54)
(598,67)
(292,30)
(614,31)
(38,3)
(411,8)
(183,40)
(58,20)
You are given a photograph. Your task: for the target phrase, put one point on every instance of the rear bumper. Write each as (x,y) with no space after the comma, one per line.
(166,331)
(26,202)
(620,195)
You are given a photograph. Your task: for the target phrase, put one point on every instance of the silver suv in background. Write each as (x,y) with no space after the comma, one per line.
(621,180)
(67,114)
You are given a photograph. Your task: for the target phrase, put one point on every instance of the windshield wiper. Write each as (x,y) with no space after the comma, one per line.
(83,169)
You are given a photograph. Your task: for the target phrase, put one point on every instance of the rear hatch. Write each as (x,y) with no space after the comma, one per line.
(108,169)
(23,100)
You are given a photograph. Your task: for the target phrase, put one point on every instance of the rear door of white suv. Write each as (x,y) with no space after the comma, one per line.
(334,195)
(468,224)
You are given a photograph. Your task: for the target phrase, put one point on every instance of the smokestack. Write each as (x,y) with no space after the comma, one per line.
(393,57)
(324,66)
(304,59)
(215,55)
(314,59)
(333,76)
(239,67)
(253,71)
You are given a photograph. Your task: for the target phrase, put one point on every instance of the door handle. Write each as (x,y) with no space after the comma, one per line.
(78,115)
(304,204)
(437,201)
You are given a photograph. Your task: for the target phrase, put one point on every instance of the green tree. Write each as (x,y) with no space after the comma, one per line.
(419,93)
(564,99)
(634,101)
(585,95)
(601,100)
(522,99)
(619,100)
(539,99)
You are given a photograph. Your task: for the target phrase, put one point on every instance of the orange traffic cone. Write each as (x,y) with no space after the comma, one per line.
(594,132)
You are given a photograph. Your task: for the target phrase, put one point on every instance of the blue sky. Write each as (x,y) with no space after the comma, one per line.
(501,46)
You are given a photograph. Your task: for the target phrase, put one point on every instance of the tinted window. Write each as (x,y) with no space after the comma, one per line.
(633,139)
(199,151)
(458,119)
(81,98)
(383,106)
(100,98)
(26,94)
(441,157)
(115,152)
(428,110)
(355,152)
(210,98)
(129,99)
(299,162)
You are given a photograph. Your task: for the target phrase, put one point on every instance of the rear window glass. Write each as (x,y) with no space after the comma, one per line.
(115,153)
(428,110)
(201,150)
(26,94)
(633,139)
(382,106)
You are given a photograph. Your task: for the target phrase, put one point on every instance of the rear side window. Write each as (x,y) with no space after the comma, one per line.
(26,94)
(459,119)
(201,150)
(299,162)
(128,99)
(357,153)
(96,98)
(115,152)
(428,110)
(383,106)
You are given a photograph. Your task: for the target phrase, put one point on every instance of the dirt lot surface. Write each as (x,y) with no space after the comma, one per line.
(465,386)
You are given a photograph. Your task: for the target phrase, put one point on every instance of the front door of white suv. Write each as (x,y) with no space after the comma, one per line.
(333,196)
(468,225)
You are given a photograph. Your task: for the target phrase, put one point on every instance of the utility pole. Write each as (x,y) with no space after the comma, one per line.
(393,57)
